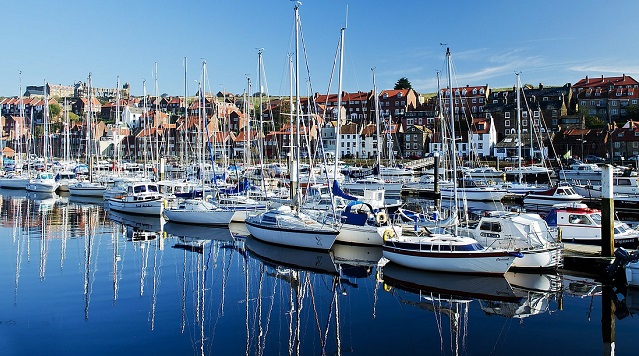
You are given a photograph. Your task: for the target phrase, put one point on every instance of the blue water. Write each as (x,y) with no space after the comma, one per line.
(76,280)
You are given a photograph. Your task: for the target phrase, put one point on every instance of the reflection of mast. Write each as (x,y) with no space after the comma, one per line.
(88,245)
(44,245)
(156,277)
(17,213)
(183,293)
(65,233)
(115,237)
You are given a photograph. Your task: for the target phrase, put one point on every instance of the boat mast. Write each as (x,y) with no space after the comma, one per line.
(378,138)
(45,123)
(89,148)
(453,147)
(293,172)
(146,127)
(519,175)
(296,147)
(186,118)
(338,126)
(118,123)
(443,147)
(260,139)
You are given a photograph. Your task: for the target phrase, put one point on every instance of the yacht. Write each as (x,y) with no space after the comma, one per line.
(525,232)
(577,223)
(285,226)
(563,193)
(143,198)
(198,212)
(44,182)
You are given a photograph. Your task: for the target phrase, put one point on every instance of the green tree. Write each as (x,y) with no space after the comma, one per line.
(54,111)
(73,117)
(403,83)
(632,111)
(593,122)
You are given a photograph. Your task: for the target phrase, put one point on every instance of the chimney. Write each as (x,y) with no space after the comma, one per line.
(541,86)
(602,78)
(586,79)
(624,76)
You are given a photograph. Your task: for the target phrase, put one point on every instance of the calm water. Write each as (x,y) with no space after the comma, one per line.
(77,280)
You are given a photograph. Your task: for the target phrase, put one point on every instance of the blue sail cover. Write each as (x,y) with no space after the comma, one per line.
(337,191)
(239,188)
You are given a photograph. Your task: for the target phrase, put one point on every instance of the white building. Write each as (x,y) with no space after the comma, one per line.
(483,138)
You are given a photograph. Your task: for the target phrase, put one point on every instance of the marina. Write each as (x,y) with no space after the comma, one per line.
(80,278)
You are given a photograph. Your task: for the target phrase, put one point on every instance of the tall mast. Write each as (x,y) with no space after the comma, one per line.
(146,126)
(296,147)
(45,124)
(118,123)
(67,149)
(18,132)
(260,141)
(443,147)
(293,172)
(157,107)
(378,133)
(186,117)
(453,147)
(89,146)
(339,103)
(519,175)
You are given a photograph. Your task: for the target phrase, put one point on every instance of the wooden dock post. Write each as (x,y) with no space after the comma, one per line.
(607,212)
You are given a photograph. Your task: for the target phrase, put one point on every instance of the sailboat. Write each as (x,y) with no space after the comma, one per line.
(44,182)
(89,188)
(17,179)
(449,251)
(288,225)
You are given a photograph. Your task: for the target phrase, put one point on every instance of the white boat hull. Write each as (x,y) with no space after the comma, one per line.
(482,194)
(366,235)
(212,217)
(87,191)
(455,262)
(42,187)
(320,240)
(147,207)
(539,258)
(14,183)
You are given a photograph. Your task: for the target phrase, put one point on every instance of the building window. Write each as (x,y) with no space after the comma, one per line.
(507,115)
(524,122)
(536,113)
(408,145)
(613,111)
(474,100)
(507,123)
(613,103)
(524,114)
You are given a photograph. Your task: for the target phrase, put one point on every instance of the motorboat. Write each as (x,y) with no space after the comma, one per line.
(525,232)
(142,198)
(563,193)
(44,182)
(285,226)
(15,180)
(485,173)
(581,172)
(577,223)
(198,212)
(529,174)
(474,190)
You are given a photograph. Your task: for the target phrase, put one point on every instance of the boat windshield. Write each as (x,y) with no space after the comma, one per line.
(596,217)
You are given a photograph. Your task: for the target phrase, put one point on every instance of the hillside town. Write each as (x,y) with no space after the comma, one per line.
(594,117)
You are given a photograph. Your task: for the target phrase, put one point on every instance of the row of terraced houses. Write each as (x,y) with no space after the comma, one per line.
(407,124)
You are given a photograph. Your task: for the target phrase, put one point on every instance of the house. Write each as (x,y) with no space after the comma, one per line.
(606,97)
(370,142)
(416,140)
(81,106)
(467,100)
(483,137)
(397,102)
(349,141)
(581,142)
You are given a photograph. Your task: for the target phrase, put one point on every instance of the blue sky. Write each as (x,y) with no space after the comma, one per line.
(553,42)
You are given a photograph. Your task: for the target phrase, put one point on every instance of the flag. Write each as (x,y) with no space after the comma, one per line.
(568,154)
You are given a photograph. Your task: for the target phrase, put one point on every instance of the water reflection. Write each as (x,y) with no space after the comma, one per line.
(215,291)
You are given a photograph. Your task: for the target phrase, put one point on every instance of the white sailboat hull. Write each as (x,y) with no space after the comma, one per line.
(212,217)
(455,262)
(539,258)
(320,240)
(42,186)
(366,235)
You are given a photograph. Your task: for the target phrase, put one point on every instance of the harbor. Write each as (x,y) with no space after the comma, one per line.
(80,278)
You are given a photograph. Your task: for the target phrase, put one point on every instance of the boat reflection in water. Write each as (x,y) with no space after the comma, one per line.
(536,292)
(138,227)
(195,237)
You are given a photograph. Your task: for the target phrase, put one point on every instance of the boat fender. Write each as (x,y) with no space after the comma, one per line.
(381,218)
(387,287)
(387,235)
(490,182)
(559,234)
